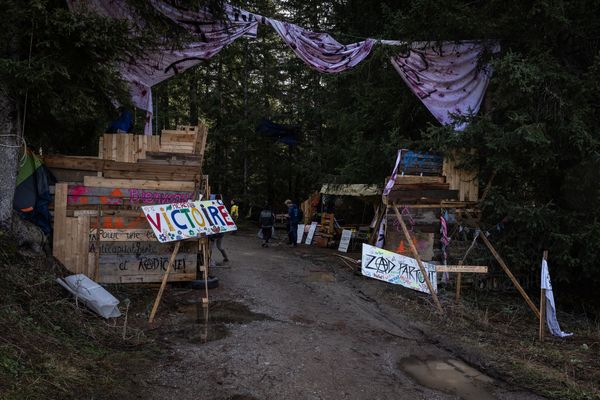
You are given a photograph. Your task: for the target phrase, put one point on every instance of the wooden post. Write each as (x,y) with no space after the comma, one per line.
(164,282)
(510,275)
(97,265)
(458,281)
(415,253)
(206,261)
(543,305)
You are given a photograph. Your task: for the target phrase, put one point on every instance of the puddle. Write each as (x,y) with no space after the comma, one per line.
(320,276)
(449,376)
(202,326)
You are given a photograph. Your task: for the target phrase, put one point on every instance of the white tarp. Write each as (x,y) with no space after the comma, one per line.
(551,319)
(395,268)
(94,296)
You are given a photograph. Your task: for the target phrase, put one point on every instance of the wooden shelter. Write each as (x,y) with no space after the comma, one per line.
(99,227)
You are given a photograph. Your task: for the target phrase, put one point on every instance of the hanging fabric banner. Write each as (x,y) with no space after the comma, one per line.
(212,34)
(320,51)
(447,78)
(551,319)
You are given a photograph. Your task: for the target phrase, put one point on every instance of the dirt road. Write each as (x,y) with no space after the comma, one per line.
(293,324)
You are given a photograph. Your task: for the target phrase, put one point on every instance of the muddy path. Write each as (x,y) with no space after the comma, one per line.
(289,324)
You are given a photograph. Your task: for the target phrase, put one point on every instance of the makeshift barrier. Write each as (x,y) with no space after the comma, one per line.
(99,227)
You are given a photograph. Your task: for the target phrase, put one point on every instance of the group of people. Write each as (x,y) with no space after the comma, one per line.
(267,222)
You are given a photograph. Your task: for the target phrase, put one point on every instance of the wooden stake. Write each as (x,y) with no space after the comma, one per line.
(458,282)
(97,266)
(510,275)
(164,282)
(543,305)
(415,253)
(206,261)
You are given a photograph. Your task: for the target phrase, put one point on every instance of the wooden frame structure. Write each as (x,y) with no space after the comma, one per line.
(99,228)
(453,189)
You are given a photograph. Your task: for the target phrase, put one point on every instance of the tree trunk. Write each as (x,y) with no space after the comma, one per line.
(9,154)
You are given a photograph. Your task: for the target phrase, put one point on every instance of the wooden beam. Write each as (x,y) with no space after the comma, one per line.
(476,269)
(184,186)
(164,282)
(415,253)
(509,273)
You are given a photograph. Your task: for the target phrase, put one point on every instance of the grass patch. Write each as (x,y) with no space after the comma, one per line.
(52,349)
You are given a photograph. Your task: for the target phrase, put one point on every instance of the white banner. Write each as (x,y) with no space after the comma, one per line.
(551,319)
(345,240)
(300,233)
(395,268)
(311,233)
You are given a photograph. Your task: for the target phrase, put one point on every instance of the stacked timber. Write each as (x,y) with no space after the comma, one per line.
(99,227)
(426,184)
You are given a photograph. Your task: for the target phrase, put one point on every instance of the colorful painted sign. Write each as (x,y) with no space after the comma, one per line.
(178,221)
(395,268)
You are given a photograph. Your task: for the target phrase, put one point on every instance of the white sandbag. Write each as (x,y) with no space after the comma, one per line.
(94,296)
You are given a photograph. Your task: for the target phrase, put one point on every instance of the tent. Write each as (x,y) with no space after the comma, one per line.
(32,192)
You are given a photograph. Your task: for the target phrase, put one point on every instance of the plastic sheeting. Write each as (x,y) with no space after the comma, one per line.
(94,296)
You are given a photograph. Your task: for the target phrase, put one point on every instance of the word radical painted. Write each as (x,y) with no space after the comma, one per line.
(178,221)
(395,268)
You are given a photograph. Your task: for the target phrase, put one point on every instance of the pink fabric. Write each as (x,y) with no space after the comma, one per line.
(321,51)
(446,78)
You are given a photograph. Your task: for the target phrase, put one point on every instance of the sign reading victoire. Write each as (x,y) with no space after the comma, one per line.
(178,221)
(395,268)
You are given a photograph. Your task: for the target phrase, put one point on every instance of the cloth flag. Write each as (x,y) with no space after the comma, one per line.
(447,78)
(551,319)
(320,51)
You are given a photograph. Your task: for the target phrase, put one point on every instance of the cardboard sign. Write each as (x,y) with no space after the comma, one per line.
(345,240)
(395,268)
(178,221)
(300,233)
(311,233)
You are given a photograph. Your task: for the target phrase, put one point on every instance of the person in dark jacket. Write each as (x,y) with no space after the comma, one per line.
(266,221)
(294,217)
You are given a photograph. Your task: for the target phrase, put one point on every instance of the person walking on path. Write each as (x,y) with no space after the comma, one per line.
(266,221)
(294,217)
(218,241)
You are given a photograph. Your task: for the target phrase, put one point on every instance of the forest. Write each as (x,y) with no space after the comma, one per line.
(536,139)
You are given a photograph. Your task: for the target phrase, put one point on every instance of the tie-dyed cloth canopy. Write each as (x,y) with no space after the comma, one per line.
(447,78)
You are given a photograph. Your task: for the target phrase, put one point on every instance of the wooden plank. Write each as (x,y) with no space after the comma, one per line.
(124,235)
(138,184)
(422,195)
(158,155)
(414,179)
(422,186)
(159,176)
(143,248)
(73,162)
(476,269)
(128,193)
(116,222)
(60,218)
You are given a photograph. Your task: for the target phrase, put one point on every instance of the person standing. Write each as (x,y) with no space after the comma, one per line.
(266,221)
(235,211)
(294,217)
